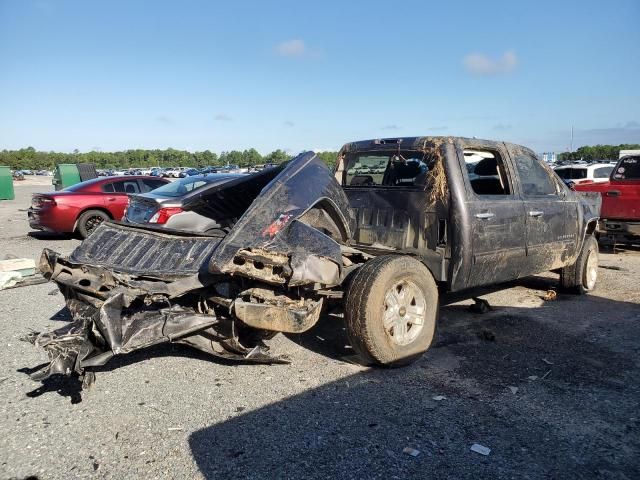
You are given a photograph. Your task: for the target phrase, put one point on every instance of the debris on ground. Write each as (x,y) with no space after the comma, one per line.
(613,267)
(549,296)
(547,361)
(411,451)
(438,398)
(514,390)
(24,266)
(546,375)
(481,449)
(533,378)
(480,306)
(9,279)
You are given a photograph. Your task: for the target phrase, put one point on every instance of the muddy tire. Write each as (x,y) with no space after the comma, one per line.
(391,308)
(89,221)
(581,277)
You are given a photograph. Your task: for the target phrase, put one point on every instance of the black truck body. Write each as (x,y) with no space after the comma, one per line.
(409,216)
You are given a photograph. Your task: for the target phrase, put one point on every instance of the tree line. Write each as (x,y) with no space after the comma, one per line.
(596,152)
(31,159)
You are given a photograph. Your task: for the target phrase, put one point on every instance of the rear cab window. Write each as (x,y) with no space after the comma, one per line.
(627,169)
(386,169)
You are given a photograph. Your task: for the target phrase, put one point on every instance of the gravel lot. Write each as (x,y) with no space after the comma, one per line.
(551,387)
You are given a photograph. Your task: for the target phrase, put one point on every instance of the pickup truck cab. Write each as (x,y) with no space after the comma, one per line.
(620,213)
(444,214)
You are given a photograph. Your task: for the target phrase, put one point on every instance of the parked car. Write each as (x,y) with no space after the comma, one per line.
(301,236)
(578,174)
(163,206)
(189,172)
(82,207)
(620,214)
(18,175)
(171,172)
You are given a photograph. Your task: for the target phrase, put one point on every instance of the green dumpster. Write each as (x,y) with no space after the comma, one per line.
(6,184)
(65,175)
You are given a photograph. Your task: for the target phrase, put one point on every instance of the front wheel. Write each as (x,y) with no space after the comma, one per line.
(391,307)
(581,277)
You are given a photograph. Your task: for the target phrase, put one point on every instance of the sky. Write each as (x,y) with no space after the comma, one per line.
(197,75)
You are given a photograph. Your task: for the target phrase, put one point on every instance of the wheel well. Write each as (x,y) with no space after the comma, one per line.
(591,226)
(335,217)
(101,209)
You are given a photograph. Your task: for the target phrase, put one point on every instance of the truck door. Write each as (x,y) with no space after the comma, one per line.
(551,216)
(496,213)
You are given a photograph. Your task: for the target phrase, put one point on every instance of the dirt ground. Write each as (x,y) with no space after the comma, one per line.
(552,388)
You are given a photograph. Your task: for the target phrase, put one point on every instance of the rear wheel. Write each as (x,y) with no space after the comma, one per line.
(391,308)
(582,276)
(89,221)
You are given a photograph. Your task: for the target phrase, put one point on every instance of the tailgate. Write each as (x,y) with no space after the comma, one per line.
(144,251)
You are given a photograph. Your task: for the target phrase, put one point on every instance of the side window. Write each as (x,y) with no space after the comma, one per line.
(126,186)
(602,172)
(486,171)
(534,178)
(149,184)
(107,188)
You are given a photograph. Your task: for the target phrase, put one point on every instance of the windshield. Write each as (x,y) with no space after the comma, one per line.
(188,184)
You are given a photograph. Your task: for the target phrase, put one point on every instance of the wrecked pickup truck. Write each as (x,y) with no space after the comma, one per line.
(398,222)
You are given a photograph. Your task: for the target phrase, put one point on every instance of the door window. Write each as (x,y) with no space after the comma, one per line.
(486,171)
(534,178)
(108,188)
(126,186)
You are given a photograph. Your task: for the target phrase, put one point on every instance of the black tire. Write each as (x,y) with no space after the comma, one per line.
(367,303)
(581,277)
(89,221)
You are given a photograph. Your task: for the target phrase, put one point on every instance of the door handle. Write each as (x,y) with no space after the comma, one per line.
(111,199)
(613,193)
(485,216)
(536,213)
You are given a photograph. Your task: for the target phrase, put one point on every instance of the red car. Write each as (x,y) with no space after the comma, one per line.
(82,207)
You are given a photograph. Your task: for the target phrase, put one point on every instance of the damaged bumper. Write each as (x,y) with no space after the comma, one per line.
(116,314)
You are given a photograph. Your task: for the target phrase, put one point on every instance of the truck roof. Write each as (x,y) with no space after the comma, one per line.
(414,143)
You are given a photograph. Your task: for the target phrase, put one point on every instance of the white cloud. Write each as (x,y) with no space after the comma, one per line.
(481,64)
(393,126)
(292,48)
(288,123)
(223,117)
